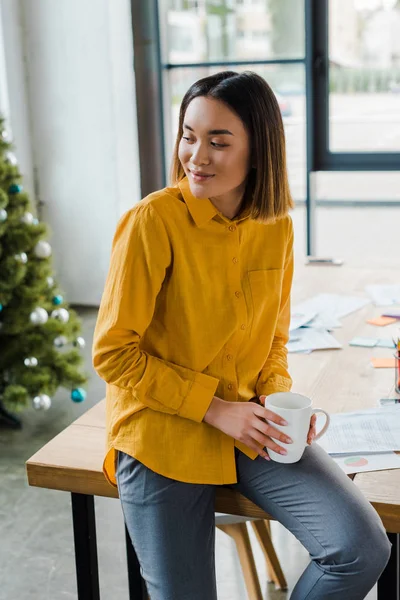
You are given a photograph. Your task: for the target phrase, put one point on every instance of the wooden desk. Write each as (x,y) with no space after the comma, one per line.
(336,380)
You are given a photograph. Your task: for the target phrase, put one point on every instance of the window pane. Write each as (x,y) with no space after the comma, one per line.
(364,75)
(215,30)
(288,83)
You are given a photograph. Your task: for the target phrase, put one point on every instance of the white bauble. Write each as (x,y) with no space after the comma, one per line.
(41,402)
(79,342)
(61,314)
(50,281)
(22,258)
(10,158)
(60,341)
(3,215)
(42,249)
(27,218)
(31,361)
(39,316)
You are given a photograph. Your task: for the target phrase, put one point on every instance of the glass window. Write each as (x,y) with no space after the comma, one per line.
(364,75)
(232,29)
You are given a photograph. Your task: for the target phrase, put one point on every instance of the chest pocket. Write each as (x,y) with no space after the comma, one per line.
(266,289)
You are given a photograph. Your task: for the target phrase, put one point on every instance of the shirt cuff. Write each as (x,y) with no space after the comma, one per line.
(199,398)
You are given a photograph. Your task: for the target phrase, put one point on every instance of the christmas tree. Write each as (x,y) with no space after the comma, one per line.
(40,341)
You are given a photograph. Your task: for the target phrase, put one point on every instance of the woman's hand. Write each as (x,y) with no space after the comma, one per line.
(245,422)
(312,432)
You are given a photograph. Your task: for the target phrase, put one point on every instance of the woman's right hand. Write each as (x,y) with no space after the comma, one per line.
(244,421)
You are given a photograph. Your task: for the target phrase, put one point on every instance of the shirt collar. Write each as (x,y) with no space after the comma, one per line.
(202,210)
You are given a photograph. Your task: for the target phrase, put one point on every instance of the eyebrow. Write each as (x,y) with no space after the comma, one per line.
(212,131)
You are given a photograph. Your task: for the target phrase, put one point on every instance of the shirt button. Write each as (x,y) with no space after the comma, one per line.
(230,386)
(243,326)
(229,356)
(237,294)
(235,260)
(232,228)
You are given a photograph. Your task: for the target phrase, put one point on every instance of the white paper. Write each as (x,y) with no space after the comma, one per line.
(329,309)
(309,339)
(372,430)
(299,319)
(384,295)
(362,463)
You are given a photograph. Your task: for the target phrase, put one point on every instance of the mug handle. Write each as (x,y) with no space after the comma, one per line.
(325,427)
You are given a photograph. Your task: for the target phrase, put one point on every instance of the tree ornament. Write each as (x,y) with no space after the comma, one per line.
(60,341)
(79,342)
(10,158)
(22,258)
(5,135)
(32,361)
(78,395)
(57,299)
(61,314)
(50,281)
(39,316)
(15,188)
(42,249)
(35,221)
(27,218)
(3,215)
(41,402)
(1,307)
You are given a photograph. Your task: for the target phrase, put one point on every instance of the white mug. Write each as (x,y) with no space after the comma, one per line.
(296,410)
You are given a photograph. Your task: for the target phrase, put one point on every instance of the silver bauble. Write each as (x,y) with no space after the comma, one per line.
(3,215)
(41,402)
(5,135)
(39,316)
(22,258)
(27,218)
(31,361)
(61,314)
(42,249)
(60,341)
(79,342)
(10,158)
(50,281)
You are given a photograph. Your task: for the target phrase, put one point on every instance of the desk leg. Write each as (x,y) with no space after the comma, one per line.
(137,587)
(87,572)
(388,582)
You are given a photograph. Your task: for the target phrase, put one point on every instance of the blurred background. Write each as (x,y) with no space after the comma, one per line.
(90,91)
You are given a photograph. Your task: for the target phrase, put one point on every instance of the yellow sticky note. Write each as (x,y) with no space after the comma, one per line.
(383,363)
(381,321)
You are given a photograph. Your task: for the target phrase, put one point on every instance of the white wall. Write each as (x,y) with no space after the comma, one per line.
(80,98)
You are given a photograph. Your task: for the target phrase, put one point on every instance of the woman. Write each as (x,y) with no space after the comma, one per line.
(192,325)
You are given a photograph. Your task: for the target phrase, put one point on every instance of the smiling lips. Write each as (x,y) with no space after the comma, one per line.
(199,177)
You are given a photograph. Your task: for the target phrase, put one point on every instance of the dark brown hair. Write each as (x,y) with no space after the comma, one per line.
(267,196)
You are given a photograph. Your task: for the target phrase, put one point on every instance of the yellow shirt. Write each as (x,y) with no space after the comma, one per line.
(195,305)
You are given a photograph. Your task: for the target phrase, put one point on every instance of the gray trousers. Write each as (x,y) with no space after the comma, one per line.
(172,526)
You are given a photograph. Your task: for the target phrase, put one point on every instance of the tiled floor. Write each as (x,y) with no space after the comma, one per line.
(36,549)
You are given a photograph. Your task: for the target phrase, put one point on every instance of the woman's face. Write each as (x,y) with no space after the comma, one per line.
(214,150)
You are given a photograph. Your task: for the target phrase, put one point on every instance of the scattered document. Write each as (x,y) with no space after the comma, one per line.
(362,463)
(384,295)
(299,319)
(308,339)
(372,430)
(329,309)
